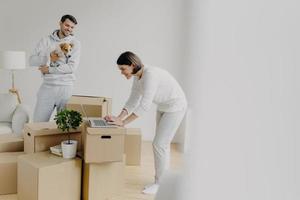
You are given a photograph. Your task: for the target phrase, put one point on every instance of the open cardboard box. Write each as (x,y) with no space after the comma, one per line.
(90,106)
(41,136)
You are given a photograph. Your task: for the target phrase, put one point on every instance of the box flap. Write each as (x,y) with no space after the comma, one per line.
(9,157)
(90,100)
(44,159)
(45,128)
(88,110)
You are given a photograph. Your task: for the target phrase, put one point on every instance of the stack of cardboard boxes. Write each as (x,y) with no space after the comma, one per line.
(103,150)
(41,175)
(103,173)
(93,106)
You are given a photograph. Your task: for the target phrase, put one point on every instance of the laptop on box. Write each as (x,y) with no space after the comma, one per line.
(96,122)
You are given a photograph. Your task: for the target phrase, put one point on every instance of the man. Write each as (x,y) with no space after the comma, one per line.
(57,69)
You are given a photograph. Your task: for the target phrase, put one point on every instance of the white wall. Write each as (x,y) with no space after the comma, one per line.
(244,58)
(152,29)
(241,66)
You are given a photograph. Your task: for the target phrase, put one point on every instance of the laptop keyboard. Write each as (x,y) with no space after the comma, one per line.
(100,123)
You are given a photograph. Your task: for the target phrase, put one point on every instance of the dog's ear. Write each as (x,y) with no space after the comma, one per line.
(72,45)
(62,45)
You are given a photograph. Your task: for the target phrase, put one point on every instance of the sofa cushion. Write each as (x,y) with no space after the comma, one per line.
(8,104)
(5,128)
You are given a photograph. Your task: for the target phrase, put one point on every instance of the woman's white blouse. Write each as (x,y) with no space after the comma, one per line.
(156,86)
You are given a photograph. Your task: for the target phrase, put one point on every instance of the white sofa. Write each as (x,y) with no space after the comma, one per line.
(13,116)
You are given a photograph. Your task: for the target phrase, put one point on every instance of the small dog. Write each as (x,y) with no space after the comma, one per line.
(61,54)
(66,48)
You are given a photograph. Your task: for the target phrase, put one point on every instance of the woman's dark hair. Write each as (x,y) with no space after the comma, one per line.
(129,58)
(70,17)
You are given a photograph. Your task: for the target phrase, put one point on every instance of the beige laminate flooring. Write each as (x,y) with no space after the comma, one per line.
(136,176)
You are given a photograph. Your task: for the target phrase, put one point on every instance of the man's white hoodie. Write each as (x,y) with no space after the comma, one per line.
(63,73)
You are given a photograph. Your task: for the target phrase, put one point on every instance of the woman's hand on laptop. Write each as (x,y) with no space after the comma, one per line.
(117,121)
(110,118)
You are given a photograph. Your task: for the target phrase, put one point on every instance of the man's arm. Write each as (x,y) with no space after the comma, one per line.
(40,54)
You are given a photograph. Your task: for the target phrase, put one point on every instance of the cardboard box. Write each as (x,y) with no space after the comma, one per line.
(8,172)
(43,135)
(102,181)
(43,176)
(133,146)
(90,106)
(11,143)
(103,144)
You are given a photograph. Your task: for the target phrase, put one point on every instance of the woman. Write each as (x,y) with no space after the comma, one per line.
(152,85)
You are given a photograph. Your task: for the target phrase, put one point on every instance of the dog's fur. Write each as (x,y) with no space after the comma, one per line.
(66,48)
(63,52)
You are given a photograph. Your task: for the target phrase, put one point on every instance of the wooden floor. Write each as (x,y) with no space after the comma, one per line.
(136,176)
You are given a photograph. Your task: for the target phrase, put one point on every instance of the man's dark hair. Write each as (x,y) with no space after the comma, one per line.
(70,17)
(129,58)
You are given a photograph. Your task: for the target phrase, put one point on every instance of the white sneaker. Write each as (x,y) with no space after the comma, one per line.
(151,189)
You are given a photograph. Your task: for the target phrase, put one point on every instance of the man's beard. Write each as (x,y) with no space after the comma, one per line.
(65,35)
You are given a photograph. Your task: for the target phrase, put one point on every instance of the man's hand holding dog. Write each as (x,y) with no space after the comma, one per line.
(44,69)
(54,56)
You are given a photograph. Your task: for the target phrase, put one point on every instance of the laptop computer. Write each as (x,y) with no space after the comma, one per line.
(97,122)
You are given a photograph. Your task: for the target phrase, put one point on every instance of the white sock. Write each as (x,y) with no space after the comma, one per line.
(152,189)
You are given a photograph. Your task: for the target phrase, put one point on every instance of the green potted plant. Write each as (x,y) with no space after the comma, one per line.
(66,120)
